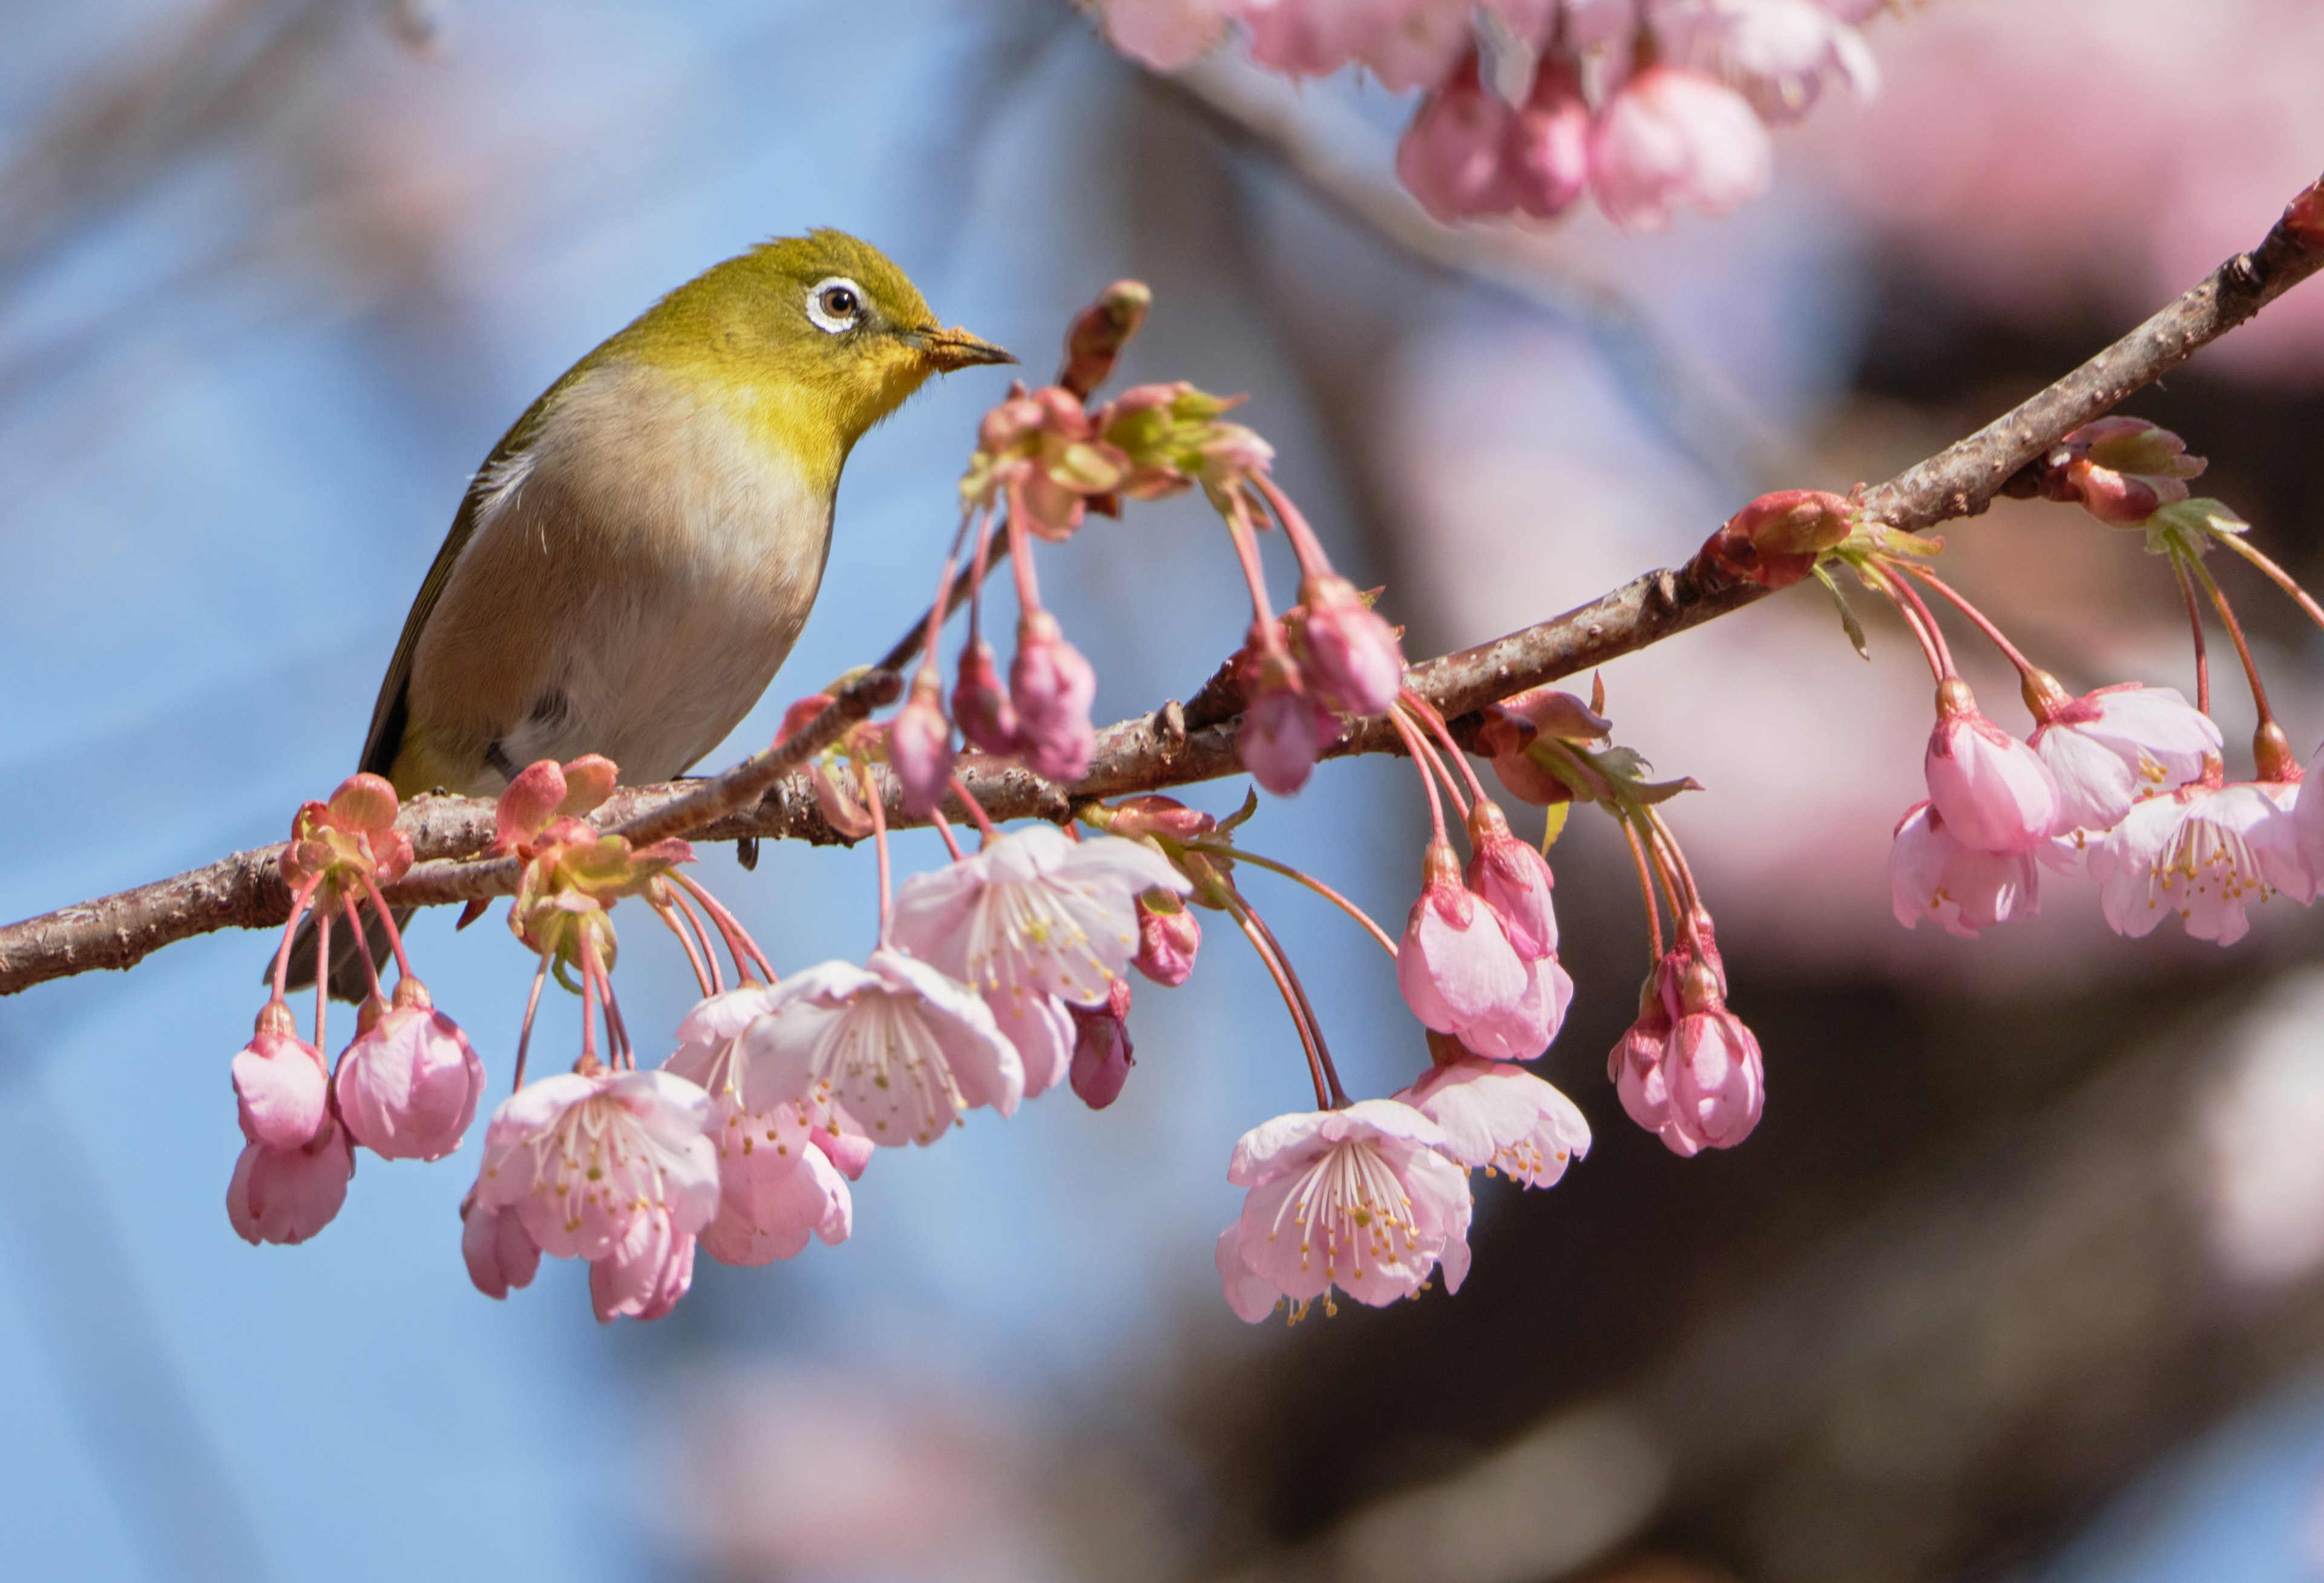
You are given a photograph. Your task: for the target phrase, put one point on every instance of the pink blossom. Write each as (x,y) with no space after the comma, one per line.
(499,1251)
(1671,136)
(1168,936)
(1514,726)
(1101,1049)
(1360,1199)
(645,1274)
(1993,791)
(1035,913)
(2206,852)
(1284,726)
(1717,1080)
(1041,1027)
(1781,52)
(1165,35)
(1354,662)
(900,1047)
(1051,686)
(775,1187)
(1498,1117)
(1451,155)
(1515,878)
(1546,157)
(1636,1066)
(919,745)
(286,1195)
(981,704)
(2122,469)
(406,1088)
(580,1158)
(281,1093)
(2108,749)
(1933,875)
(1406,43)
(1460,975)
(2307,820)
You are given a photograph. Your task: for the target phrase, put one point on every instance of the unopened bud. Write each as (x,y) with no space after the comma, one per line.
(1168,936)
(1102,1056)
(919,745)
(1052,687)
(981,704)
(1153,815)
(1775,539)
(1099,332)
(1354,659)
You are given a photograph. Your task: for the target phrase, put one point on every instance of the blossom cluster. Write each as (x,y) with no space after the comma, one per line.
(1642,105)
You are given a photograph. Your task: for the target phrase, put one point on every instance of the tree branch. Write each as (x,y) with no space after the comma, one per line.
(767,795)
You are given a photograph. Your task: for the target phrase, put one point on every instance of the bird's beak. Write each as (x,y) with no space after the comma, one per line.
(947,350)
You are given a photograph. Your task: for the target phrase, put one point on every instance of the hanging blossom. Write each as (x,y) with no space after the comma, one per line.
(614,1167)
(1532,102)
(407,1087)
(2206,852)
(1360,1199)
(1499,1118)
(778,1184)
(1959,887)
(1688,1070)
(2109,749)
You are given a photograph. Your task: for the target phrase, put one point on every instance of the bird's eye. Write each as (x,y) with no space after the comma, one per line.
(835,305)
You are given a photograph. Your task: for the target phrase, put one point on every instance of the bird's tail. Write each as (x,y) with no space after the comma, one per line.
(349,982)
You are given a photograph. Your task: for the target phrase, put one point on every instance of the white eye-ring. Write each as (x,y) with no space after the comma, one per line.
(835,304)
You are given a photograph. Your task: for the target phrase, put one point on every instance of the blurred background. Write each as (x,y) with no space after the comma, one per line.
(2022,1276)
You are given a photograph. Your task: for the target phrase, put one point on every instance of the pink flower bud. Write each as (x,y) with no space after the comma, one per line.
(979,701)
(500,1253)
(1460,975)
(1105,327)
(407,1087)
(286,1195)
(1285,728)
(1718,1082)
(1775,539)
(1515,879)
(802,713)
(1992,791)
(1670,136)
(842,810)
(1637,1066)
(1450,158)
(919,745)
(2121,469)
(280,1090)
(1354,662)
(1168,935)
(528,804)
(1546,158)
(1052,687)
(1151,815)
(1101,1051)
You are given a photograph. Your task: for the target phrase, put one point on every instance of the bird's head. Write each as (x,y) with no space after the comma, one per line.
(818,337)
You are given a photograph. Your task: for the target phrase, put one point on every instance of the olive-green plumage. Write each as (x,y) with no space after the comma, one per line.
(635,559)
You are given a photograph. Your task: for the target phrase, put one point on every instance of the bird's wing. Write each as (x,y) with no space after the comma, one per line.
(391,713)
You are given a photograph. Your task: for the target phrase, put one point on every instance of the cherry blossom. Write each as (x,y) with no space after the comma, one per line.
(580,1158)
(1780,52)
(1168,936)
(1354,661)
(1670,136)
(775,1187)
(286,1195)
(2107,749)
(1165,35)
(1286,727)
(1452,156)
(1717,1080)
(2206,852)
(280,1091)
(919,745)
(1360,1199)
(1102,1055)
(1042,1028)
(407,1087)
(1035,913)
(500,1253)
(1515,878)
(1051,687)
(646,1273)
(902,1048)
(1498,1117)
(1962,890)
(1461,975)
(1994,792)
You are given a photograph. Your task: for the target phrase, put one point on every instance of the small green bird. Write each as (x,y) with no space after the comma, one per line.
(633,561)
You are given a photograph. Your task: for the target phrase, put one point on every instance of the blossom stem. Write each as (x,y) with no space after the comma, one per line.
(618,1048)
(878,806)
(1646,887)
(944,828)
(1418,749)
(1275,968)
(387,923)
(2274,574)
(1238,855)
(1314,1023)
(700,933)
(940,607)
(1021,550)
(1977,618)
(1906,591)
(2236,633)
(298,902)
(322,971)
(981,561)
(738,939)
(589,1062)
(524,1034)
(363,949)
(665,905)
(2195,625)
(1269,635)
(976,811)
(1424,749)
(1436,720)
(1932,643)
(1312,561)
